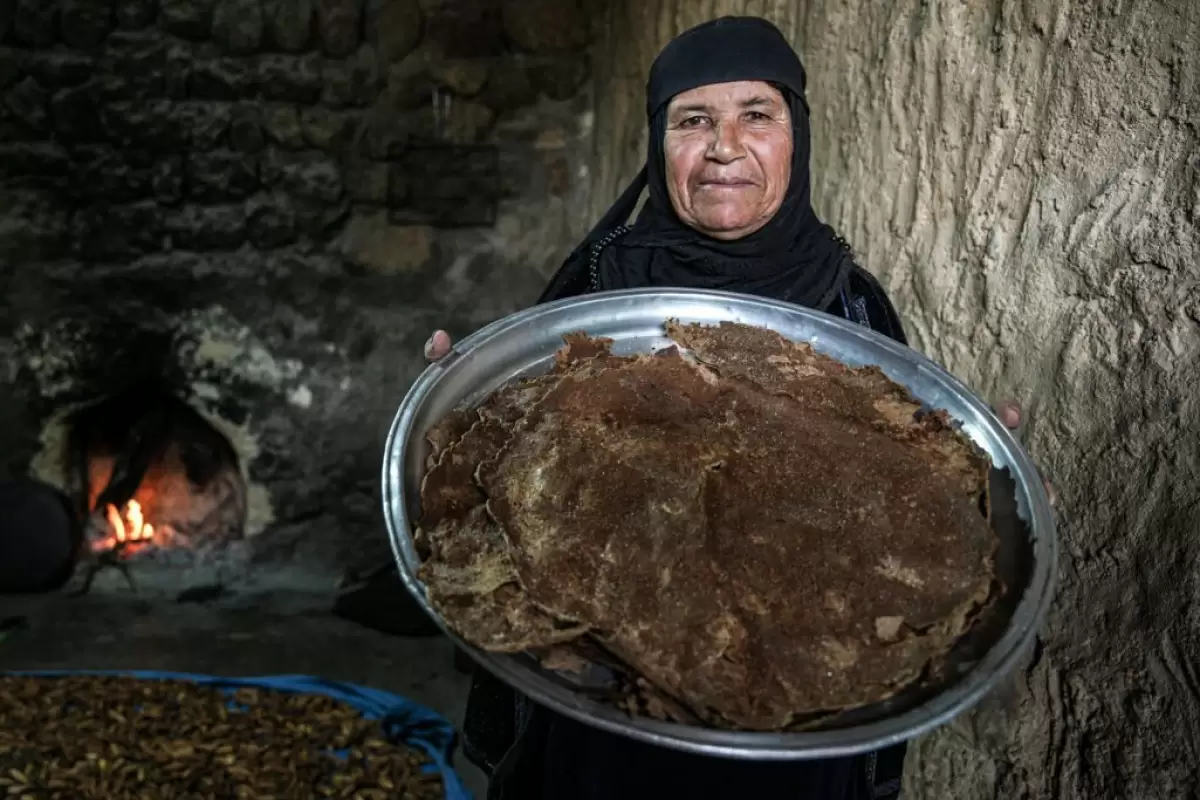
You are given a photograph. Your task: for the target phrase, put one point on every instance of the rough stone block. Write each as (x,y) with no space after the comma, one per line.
(372,242)
(367,181)
(142,65)
(206,227)
(508,86)
(545,26)
(105,174)
(135,14)
(238,25)
(559,78)
(282,126)
(319,219)
(221,175)
(86,23)
(289,23)
(167,180)
(409,85)
(221,79)
(353,82)
(153,125)
(75,112)
(56,68)
(246,129)
(35,21)
(339,23)
(177,75)
(462,77)
(31,161)
(27,102)
(270,220)
(188,19)
(383,133)
(290,79)
(516,175)
(393,28)
(452,121)
(329,130)
(309,175)
(11,131)
(205,124)
(464,30)
(35,228)
(445,186)
(108,231)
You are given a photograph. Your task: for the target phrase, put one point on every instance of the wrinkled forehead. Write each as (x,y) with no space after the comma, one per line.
(717,97)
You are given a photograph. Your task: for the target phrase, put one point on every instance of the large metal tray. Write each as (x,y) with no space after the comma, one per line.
(524,344)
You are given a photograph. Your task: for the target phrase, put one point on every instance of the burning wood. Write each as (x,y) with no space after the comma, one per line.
(152,474)
(129,529)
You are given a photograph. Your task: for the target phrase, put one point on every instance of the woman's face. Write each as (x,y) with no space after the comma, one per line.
(728,150)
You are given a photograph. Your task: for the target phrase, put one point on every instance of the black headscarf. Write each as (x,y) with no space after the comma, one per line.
(794,257)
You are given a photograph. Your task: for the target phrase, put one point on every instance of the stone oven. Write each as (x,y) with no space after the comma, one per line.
(226,229)
(150,474)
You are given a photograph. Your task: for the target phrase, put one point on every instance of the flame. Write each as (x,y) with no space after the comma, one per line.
(128,527)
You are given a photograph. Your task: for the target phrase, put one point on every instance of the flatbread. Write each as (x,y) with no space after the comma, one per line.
(467,568)
(772,362)
(759,533)
(449,430)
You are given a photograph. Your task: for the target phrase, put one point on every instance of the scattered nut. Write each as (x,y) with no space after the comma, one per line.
(113,738)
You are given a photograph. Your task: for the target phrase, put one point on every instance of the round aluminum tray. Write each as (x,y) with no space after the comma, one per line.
(524,344)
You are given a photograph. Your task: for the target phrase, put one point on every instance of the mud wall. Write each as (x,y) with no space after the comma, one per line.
(1025,178)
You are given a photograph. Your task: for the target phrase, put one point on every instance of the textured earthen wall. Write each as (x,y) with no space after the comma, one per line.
(1025,177)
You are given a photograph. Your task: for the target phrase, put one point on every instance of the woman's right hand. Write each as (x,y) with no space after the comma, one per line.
(437,346)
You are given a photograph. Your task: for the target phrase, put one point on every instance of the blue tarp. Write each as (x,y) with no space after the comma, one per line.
(403,720)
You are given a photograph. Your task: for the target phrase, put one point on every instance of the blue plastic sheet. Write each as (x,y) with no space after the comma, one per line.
(403,721)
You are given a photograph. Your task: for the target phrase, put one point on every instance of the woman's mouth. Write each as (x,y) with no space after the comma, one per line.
(726,183)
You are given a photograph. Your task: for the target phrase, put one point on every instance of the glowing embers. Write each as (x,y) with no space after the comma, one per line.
(129,530)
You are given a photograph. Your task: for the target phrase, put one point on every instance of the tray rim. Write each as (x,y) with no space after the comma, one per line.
(962,695)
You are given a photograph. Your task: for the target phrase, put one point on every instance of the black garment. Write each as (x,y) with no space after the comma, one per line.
(39,537)
(531,752)
(859,298)
(794,257)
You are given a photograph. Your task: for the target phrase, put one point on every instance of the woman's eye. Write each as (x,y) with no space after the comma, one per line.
(691,122)
(757,116)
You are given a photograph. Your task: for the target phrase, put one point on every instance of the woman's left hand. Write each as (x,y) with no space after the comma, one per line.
(1010,415)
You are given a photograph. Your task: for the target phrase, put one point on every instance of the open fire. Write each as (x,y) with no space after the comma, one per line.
(129,530)
(154,476)
(164,495)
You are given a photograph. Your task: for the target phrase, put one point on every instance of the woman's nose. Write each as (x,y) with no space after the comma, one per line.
(726,144)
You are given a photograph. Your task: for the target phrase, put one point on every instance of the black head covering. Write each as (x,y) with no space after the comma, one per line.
(794,257)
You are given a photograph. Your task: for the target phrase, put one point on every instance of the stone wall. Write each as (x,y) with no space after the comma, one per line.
(271,203)
(203,126)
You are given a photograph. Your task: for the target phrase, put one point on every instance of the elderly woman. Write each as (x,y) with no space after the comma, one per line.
(727,208)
